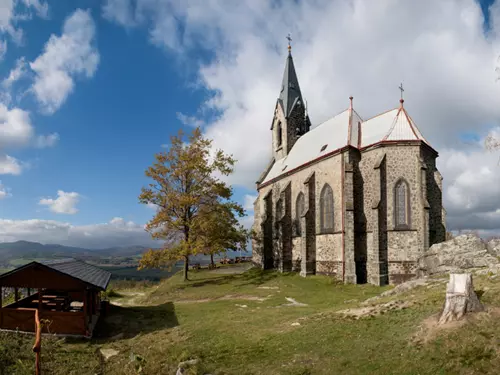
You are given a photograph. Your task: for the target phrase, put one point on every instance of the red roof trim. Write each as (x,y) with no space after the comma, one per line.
(415,141)
(302,166)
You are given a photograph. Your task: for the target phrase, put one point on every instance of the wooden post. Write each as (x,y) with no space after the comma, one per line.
(85,305)
(29,292)
(37,348)
(40,299)
(16,294)
(1,295)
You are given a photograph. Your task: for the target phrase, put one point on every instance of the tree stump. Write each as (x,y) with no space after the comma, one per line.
(460,298)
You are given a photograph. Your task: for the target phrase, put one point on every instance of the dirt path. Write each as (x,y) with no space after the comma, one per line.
(128,299)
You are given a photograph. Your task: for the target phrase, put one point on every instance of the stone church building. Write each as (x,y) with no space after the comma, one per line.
(357,199)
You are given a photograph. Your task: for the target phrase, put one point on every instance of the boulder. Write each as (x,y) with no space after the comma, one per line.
(108,353)
(461,253)
(494,246)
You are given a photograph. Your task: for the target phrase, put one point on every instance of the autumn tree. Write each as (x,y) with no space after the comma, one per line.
(220,231)
(195,211)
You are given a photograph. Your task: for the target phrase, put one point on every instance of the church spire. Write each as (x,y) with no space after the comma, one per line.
(290,94)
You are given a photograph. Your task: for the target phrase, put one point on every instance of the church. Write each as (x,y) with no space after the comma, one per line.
(358,199)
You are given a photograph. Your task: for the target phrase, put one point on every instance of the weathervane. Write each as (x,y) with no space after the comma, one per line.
(289,38)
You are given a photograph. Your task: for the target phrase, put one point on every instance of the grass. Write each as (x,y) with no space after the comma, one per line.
(204,319)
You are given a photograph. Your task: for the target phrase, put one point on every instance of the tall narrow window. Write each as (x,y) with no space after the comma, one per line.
(326,209)
(280,134)
(299,211)
(401,204)
(279,209)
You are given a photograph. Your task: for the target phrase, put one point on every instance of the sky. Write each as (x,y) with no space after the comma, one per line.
(90,90)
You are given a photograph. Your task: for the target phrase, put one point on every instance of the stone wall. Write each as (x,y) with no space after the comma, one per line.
(401,246)
(329,254)
(296,253)
(326,171)
(437,227)
(378,249)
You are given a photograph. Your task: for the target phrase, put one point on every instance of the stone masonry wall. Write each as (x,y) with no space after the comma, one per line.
(296,253)
(437,229)
(326,171)
(329,254)
(403,246)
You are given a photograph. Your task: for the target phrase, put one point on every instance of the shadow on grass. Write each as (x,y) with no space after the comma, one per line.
(128,322)
(257,276)
(253,276)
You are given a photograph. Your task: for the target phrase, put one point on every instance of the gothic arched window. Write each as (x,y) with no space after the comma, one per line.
(279,209)
(280,134)
(299,211)
(401,204)
(326,209)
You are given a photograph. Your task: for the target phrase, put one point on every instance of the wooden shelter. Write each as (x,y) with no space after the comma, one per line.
(66,292)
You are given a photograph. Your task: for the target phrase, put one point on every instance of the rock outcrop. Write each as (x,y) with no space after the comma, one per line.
(464,252)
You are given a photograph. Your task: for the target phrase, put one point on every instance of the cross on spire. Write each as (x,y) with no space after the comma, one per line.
(289,38)
(402,90)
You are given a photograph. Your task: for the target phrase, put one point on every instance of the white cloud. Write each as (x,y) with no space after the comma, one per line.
(152,206)
(41,8)
(15,127)
(119,11)
(11,13)
(248,200)
(64,203)
(44,141)
(117,232)
(3,49)
(10,165)
(190,120)
(18,72)
(65,57)
(4,191)
(362,48)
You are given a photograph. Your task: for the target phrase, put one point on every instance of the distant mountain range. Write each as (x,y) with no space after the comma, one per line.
(26,249)
(17,253)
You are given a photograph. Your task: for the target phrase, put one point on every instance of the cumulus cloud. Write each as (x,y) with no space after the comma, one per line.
(64,203)
(16,73)
(117,232)
(41,8)
(10,165)
(341,48)
(3,49)
(15,127)
(4,191)
(190,120)
(44,141)
(65,57)
(14,11)
(248,200)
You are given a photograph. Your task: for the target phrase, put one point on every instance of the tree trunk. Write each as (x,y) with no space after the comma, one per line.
(212,261)
(186,268)
(460,298)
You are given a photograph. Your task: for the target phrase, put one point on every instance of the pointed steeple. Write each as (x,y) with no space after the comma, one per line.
(290,93)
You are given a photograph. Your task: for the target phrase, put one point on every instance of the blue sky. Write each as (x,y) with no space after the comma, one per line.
(142,63)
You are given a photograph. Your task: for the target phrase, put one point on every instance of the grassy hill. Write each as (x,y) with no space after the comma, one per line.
(268,323)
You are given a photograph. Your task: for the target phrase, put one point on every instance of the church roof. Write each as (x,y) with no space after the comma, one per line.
(393,125)
(347,128)
(290,90)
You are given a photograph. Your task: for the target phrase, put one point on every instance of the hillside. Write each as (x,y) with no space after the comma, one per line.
(268,323)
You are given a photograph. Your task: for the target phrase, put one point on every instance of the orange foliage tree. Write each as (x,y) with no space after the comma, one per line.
(195,211)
